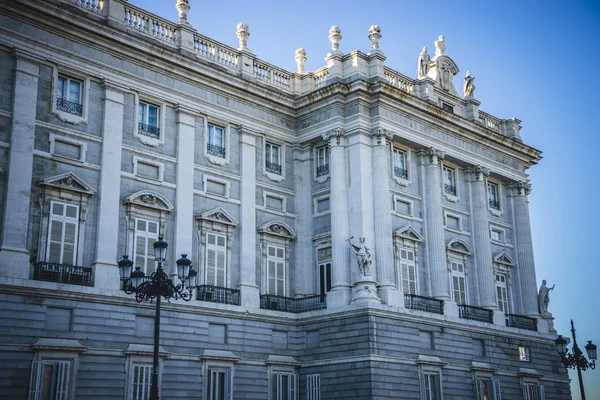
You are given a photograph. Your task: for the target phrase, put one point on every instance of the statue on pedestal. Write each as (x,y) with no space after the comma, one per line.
(423,67)
(469,86)
(544,298)
(363,256)
(440,47)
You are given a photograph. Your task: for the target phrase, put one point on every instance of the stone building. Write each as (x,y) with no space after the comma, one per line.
(357,233)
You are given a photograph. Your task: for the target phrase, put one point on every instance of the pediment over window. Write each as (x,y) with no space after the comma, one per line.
(218,215)
(503,258)
(409,233)
(277,228)
(150,199)
(70,182)
(459,246)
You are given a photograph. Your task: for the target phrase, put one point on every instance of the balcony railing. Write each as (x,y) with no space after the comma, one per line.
(422,303)
(475,313)
(152,131)
(215,150)
(495,204)
(401,172)
(67,106)
(450,189)
(216,294)
(273,168)
(521,321)
(293,305)
(323,170)
(51,272)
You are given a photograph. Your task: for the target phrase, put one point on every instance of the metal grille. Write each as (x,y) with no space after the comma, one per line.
(215,150)
(273,168)
(521,321)
(323,170)
(475,313)
(450,189)
(216,294)
(422,303)
(293,305)
(494,204)
(401,172)
(149,130)
(52,272)
(70,107)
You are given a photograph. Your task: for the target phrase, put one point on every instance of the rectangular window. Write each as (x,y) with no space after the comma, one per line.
(533,391)
(276,270)
(447,107)
(216,260)
(219,384)
(487,389)
(324,258)
(50,380)
(313,387)
(146,233)
(68,95)
(459,291)
(323,205)
(502,293)
(493,195)
(409,274)
(141,379)
(431,383)
(400,168)
(524,354)
(323,161)
(449,175)
(273,158)
(148,120)
(63,229)
(215,144)
(497,235)
(285,386)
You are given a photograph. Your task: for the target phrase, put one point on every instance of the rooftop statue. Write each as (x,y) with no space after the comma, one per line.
(423,67)
(544,298)
(363,256)
(469,86)
(440,47)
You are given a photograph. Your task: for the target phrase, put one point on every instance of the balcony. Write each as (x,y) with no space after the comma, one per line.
(152,131)
(67,106)
(521,322)
(215,150)
(422,303)
(400,172)
(323,170)
(216,294)
(475,313)
(61,273)
(450,189)
(273,168)
(495,204)
(293,305)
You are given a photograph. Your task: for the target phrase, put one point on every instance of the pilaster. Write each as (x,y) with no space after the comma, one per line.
(14,259)
(305,277)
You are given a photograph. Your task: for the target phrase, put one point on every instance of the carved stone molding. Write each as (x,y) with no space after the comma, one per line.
(382,134)
(459,246)
(521,188)
(478,172)
(338,133)
(434,155)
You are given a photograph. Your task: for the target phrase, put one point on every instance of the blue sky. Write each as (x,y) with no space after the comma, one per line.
(534,60)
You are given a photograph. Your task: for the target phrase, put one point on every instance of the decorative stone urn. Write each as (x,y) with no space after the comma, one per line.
(183,6)
(243,33)
(375,36)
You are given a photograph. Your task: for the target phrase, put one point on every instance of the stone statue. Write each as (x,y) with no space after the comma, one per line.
(440,47)
(424,61)
(469,86)
(544,298)
(300,58)
(363,256)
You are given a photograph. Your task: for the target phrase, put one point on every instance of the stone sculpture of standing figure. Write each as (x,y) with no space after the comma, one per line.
(363,256)
(424,61)
(440,47)
(544,298)
(469,86)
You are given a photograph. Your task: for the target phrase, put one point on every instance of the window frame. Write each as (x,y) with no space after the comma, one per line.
(150,100)
(53,138)
(499,230)
(458,252)
(293,385)
(38,375)
(497,212)
(149,241)
(277,234)
(141,355)
(275,177)
(324,270)
(273,195)
(399,179)
(63,219)
(456,216)
(226,129)
(524,353)
(322,175)
(216,248)
(208,178)
(409,203)
(502,289)
(161,170)
(70,74)
(538,390)
(448,194)
(313,387)
(406,238)
(316,201)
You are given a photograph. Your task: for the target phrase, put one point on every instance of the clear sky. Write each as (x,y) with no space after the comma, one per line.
(536,60)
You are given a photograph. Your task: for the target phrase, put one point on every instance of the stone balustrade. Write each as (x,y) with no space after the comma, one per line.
(398,80)
(271,74)
(215,51)
(320,77)
(91,5)
(150,24)
(490,122)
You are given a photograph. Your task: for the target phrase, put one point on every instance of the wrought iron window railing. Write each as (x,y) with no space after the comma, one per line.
(62,273)
(450,189)
(152,131)
(323,170)
(422,303)
(216,294)
(215,150)
(273,168)
(521,321)
(68,106)
(495,204)
(475,313)
(293,305)
(401,172)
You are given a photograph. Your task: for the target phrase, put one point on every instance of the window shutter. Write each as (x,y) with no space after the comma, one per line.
(479,389)
(55,240)
(525,395)
(220,268)
(294,385)
(497,394)
(280,279)
(211,264)
(34,380)
(542,394)
(276,384)
(228,385)
(62,380)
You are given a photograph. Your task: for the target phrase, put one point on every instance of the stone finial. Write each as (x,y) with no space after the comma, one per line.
(300,58)
(243,33)
(335,36)
(375,36)
(183,6)
(440,47)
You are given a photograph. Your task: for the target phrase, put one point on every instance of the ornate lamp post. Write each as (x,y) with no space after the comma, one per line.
(156,286)
(576,359)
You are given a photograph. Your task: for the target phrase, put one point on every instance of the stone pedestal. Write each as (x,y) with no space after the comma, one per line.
(450,309)
(365,290)
(249,296)
(499,318)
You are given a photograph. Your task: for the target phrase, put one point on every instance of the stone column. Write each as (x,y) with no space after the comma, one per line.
(340,291)
(14,256)
(434,221)
(523,242)
(305,266)
(481,239)
(106,272)
(249,290)
(384,248)
(184,196)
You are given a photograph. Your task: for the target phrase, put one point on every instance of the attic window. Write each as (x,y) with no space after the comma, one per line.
(448,107)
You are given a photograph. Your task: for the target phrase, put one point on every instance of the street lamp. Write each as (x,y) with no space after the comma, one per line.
(576,359)
(156,286)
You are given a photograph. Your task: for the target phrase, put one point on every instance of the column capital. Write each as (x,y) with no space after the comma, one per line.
(478,172)
(434,155)
(381,135)
(521,188)
(337,133)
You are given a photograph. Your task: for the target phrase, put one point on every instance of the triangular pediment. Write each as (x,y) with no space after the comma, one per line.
(150,199)
(409,233)
(69,181)
(503,258)
(218,215)
(277,228)
(459,246)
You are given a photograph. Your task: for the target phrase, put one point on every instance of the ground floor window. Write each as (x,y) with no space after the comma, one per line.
(219,384)
(50,380)
(285,386)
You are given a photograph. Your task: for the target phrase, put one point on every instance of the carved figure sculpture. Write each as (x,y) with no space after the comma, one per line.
(469,86)
(544,298)
(363,256)
(423,67)
(300,58)
(440,47)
